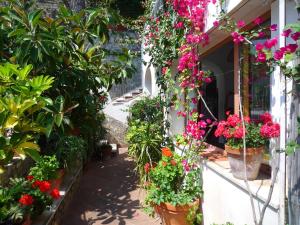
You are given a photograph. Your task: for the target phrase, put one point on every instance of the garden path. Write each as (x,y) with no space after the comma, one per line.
(108,194)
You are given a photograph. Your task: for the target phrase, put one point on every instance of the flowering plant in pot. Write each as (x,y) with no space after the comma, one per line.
(25,199)
(174,189)
(256,134)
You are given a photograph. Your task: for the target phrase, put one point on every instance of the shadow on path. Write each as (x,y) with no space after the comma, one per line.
(108,194)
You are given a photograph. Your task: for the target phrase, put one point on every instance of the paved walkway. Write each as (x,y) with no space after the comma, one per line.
(108,194)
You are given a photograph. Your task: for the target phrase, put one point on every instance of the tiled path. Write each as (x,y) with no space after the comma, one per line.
(108,194)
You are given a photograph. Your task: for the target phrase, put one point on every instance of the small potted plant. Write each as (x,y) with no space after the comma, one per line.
(24,199)
(257,134)
(174,189)
(47,169)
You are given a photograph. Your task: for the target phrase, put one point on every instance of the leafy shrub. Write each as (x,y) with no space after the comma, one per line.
(147,110)
(71,149)
(45,169)
(145,140)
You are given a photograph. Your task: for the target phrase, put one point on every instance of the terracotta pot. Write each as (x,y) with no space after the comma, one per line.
(174,215)
(56,183)
(254,158)
(27,221)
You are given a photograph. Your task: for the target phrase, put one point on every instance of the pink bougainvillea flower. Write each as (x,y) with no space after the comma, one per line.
(259,46)
(216,23)
(241,24)
(261,34)
(258,20)
(208,121)
(208,80)
(194,100)
(286,33)
(295,36)
(273,27)
(291,48)
(278,55)
(270,43)
(237,38)
(261,57)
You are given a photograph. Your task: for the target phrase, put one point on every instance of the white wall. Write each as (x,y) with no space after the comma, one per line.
(226,199)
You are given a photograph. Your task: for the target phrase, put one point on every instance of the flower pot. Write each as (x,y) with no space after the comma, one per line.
(27,221)
(254,158)
(175,215)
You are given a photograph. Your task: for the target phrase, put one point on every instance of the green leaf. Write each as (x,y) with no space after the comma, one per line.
(33,154)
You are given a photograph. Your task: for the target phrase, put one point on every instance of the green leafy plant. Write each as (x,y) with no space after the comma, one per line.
(24,197)
(173,180)
(22,103)
(71,149)
(147,110)
(145,140)
(45,168)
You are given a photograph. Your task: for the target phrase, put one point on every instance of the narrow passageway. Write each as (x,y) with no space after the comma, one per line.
(108,193)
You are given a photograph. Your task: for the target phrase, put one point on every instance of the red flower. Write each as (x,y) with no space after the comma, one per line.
(173,162)
(26,200)
(266,117)
(167,152)
(44,186)
(164,163)
(55,193)
(29,177)
(238,132)
(164,70)
(270,130)
(233,120)
(36,183)
(147,168)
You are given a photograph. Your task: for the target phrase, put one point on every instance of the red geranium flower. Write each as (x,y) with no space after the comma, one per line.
(55,193)
(173,162)
(29,177)
(44,186)
(26,200)
(147,167)
(167,152)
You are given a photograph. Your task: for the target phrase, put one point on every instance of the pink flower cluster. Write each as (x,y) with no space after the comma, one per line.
(188,60)
(232,128)
(195,129)
(269,129)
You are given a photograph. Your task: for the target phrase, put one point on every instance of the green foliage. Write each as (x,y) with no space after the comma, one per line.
(145,140)
(45,169)
(71,149)
(72,48)
(11,211)
(147,110)
(293,145)
(145,133)
(22,104)
(174,180)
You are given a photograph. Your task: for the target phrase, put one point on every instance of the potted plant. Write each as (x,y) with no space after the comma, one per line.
(47,169)
(256,134)
(174,189)
(25,199)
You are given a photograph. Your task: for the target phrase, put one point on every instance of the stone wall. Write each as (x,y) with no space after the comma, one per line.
(116,131)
